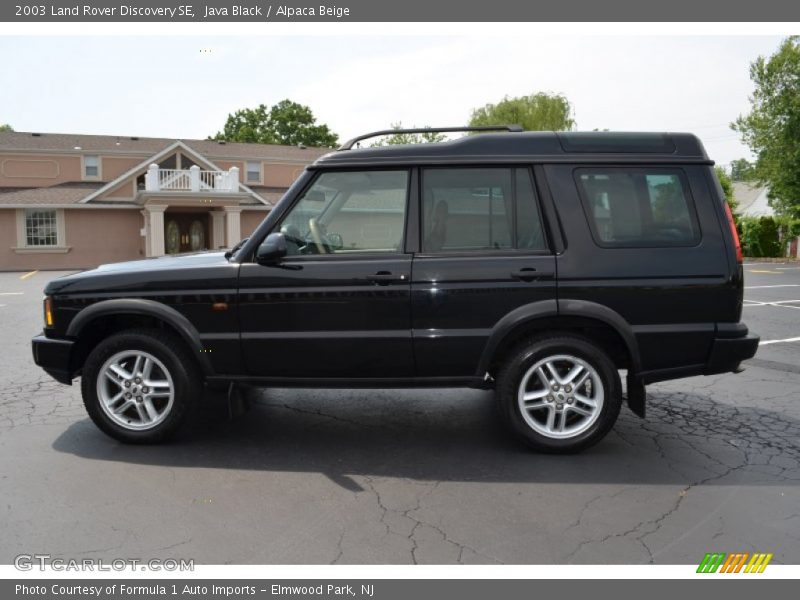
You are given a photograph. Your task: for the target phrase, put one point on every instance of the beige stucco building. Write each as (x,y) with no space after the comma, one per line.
(76,201)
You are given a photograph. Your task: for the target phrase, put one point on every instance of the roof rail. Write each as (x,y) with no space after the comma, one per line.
(348,145)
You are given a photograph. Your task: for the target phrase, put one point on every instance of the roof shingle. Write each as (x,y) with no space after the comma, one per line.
(60,142)
(65,193)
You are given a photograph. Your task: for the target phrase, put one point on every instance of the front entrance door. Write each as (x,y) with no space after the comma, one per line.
(338,305)
(185,232)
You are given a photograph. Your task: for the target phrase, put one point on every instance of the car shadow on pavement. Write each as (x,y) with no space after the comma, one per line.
(455,435)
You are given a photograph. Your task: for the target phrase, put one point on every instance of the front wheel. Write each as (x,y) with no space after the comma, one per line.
(139,385)
(559,394)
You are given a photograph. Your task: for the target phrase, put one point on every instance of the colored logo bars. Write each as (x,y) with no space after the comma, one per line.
(734,563)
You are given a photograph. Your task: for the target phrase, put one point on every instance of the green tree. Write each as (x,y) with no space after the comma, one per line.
(727,187)
(409,138)
(537,112)
(772,128)
(742,170)
(286,122)
(6,127)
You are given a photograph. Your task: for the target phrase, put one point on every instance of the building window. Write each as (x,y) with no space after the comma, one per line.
(91,166)
(41,228)
(253,172)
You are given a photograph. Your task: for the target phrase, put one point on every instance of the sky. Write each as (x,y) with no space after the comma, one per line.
(184,87)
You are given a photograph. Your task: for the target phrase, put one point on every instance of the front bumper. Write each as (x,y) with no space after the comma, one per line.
(54,356)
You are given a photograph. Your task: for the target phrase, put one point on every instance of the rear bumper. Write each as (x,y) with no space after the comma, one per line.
(54,356)
(732,344)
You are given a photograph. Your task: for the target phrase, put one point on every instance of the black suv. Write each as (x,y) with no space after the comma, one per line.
(537,264)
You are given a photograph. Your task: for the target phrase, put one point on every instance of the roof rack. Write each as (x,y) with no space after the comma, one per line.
(348,145)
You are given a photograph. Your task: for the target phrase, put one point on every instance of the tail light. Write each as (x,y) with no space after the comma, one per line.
(734,233)
(48,311)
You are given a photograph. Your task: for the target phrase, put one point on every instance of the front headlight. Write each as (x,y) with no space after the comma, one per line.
(48,311)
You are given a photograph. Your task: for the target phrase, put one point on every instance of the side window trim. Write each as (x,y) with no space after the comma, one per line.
(538,201)
(413,225)
(645,170)
(551,220)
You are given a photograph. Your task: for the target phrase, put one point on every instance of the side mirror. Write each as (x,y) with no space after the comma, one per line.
(272,249)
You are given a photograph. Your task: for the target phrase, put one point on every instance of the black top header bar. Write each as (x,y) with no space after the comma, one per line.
(259,11)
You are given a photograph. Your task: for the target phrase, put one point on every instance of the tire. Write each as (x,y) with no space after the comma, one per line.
(559,417)
(116,394)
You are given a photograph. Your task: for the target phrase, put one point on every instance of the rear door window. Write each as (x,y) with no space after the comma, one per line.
(638,207)
(480,209)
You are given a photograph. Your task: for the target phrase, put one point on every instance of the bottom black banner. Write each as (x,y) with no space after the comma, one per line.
(388,589)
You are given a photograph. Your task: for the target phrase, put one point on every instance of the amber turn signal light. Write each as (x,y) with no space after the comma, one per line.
(48,311)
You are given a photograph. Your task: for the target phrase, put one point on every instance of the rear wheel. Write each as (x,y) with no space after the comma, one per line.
(559,394)
(139,385)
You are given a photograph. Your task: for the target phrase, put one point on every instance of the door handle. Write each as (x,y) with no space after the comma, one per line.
(385,278)
(530,274)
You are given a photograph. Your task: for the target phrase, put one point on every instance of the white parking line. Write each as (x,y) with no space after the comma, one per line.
(760,287)
(794,339)
(778,303)
(11,293)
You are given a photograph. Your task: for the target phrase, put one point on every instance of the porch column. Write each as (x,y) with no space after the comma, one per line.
(233,184)
(151,178)
(194,178)
(146,231)
(156,213)
(233,225)
(217,229)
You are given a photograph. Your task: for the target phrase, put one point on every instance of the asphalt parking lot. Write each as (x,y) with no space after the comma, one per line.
(411,476)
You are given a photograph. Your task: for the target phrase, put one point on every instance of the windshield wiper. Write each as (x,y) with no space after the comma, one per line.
(236,248)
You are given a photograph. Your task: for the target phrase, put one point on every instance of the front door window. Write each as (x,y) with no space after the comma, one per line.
(197,236)
(173,237)
(185,232)
(346,212)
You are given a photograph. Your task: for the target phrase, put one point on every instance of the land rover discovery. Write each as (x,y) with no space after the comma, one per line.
(541,265)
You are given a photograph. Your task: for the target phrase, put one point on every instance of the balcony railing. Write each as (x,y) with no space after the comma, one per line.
(193,179)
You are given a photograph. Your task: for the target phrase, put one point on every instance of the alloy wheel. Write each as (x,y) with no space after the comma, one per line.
(135,390)
(560,396)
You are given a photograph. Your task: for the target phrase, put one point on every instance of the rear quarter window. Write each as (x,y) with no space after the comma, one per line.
(638,207)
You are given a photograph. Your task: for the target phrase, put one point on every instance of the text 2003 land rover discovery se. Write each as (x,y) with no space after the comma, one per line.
(538,264)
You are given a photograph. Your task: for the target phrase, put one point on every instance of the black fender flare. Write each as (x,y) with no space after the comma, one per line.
(570,307)
(518,316)
(144,307)
(559,308)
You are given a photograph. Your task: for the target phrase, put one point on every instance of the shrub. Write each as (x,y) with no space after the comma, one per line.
(760,236)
